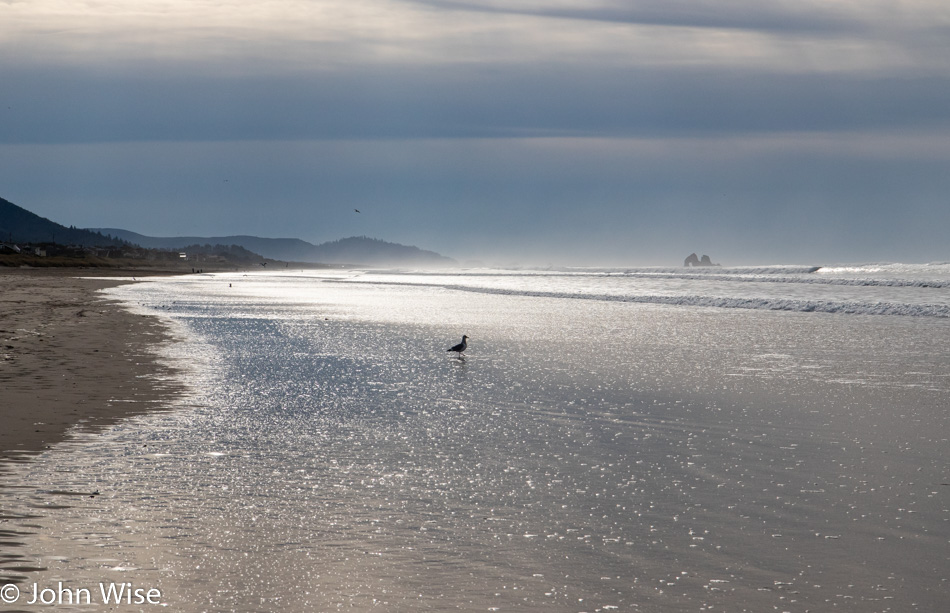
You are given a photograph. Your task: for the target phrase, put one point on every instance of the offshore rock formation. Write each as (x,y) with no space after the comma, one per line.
(692,260)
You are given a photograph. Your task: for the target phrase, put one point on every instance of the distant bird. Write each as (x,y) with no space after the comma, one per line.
(460,348)
(357,210)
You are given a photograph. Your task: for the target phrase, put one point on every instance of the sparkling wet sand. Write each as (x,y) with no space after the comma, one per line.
(70,358)
(730,460)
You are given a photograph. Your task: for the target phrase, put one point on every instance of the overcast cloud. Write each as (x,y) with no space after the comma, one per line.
(519,131)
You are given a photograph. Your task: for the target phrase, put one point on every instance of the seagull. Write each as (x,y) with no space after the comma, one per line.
(460,348)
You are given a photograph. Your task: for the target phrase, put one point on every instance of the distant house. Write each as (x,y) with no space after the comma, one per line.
(37,251)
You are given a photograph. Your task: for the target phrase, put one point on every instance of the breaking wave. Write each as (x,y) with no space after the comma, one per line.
(817,280)
(916,290)
(935,275)
(767,304)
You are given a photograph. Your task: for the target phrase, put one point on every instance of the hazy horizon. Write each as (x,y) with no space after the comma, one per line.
(525,132)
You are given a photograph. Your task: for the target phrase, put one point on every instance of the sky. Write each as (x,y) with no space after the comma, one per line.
(529,132)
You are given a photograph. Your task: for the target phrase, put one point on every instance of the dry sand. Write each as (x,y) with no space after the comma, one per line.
(71,358)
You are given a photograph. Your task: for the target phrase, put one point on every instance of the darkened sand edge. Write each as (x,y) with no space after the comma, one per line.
(70,358)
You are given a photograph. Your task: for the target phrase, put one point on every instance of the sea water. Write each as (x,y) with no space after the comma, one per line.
(753,439)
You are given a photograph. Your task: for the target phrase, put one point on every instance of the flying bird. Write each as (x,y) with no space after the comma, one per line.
(357,210)
(460,348)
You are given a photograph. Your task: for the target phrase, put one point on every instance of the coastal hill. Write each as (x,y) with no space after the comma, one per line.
(18,225)
(358,250)
(26,239)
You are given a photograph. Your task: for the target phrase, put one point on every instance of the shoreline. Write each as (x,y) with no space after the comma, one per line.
(71,358)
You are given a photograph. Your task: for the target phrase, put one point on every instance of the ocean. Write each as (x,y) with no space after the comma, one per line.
(706,439)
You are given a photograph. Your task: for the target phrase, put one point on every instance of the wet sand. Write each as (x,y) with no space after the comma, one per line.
(71,358)
(660,459)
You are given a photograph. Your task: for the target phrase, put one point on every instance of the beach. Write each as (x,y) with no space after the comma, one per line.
(608,442)
(71,358)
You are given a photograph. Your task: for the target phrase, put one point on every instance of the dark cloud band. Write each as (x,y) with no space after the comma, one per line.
(772,17)
(54,105)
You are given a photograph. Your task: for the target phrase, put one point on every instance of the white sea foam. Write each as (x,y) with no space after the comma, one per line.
(774,277)
(804,306)
(916,290)
(936,275)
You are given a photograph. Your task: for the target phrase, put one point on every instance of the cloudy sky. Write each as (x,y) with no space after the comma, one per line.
(533,131)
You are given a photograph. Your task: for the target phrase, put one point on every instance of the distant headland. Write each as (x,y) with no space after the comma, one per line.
(356,250)
(28,239)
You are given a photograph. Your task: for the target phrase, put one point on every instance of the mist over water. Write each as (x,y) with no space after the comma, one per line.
(652,439)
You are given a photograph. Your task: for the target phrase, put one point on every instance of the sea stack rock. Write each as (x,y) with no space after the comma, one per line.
(693,260)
